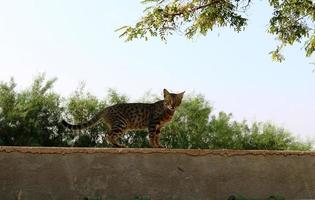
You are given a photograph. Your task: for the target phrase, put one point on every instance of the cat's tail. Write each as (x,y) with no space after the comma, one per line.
(92,122)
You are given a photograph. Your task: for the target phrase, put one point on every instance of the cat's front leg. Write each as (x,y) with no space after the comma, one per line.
(157,138)
(152,140)
(153,135)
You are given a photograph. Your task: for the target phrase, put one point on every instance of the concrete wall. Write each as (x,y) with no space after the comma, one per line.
(75,173)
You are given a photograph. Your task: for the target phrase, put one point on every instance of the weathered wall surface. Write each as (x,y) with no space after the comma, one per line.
(75,173)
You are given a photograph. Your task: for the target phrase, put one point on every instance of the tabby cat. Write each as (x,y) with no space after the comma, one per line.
(135,116)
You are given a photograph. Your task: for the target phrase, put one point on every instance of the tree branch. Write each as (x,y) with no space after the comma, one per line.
(195,8)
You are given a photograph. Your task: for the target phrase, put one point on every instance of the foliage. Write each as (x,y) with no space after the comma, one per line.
(292,20)
(190,125)
(81,106)
(31,117)
(194,126)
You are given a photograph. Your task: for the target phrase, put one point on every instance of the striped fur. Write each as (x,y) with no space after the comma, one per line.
(92,122)
(135,116)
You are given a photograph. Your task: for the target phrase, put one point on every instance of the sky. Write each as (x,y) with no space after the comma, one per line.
(75,41)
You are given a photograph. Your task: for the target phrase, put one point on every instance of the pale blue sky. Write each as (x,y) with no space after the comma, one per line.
(75,41)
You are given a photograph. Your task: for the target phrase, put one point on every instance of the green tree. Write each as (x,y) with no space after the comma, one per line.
(31,116)
(195,126)
(269,136)
(189,127)
(292,21)
(227,133)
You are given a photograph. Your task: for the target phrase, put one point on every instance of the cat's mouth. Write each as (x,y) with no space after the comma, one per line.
(172,108)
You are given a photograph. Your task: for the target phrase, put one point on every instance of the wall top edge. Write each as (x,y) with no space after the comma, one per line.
(190,152)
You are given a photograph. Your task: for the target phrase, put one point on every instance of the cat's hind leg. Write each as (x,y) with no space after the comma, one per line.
(115,132)
(113,140)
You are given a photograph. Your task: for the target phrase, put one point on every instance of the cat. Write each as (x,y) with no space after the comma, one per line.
(135,116)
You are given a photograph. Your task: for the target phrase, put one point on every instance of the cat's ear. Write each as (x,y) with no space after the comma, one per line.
(181,95)
(166,93)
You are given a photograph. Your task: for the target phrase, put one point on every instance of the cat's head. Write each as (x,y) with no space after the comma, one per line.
(172,100)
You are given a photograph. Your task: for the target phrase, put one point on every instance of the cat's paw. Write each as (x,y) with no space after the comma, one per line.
(120,146)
